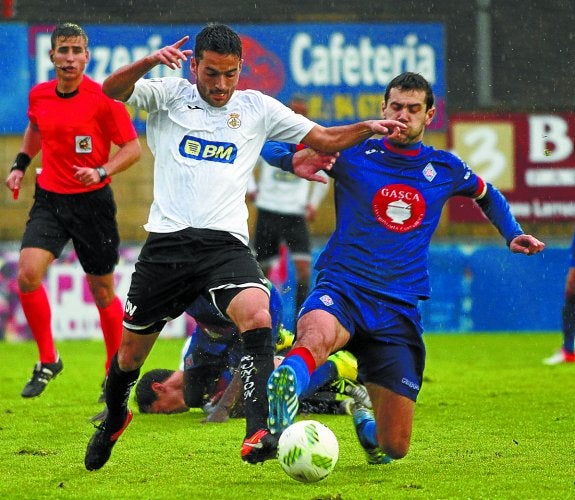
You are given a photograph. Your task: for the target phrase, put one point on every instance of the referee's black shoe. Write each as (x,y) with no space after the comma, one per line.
(41,375)
(101,444)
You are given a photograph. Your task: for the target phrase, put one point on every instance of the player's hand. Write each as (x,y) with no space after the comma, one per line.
(307,162)
(171,55)
(526,244)
(389,128)
(88,176)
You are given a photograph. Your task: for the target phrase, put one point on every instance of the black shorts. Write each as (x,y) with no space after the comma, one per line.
(87,219)
(273,228)
(173,269)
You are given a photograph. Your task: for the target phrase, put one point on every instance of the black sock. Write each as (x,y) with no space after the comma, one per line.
(118,387)
(256,366)
(569,324)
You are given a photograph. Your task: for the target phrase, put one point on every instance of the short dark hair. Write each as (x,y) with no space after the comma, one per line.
(411,81)
(145,395)
(218,38)
(67,30)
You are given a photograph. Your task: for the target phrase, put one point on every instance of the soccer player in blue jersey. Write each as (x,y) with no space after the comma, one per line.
(567,352)
(389,194)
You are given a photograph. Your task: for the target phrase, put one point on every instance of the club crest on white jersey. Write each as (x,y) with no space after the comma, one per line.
(234,121)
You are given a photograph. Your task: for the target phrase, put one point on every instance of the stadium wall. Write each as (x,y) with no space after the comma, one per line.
(475,288)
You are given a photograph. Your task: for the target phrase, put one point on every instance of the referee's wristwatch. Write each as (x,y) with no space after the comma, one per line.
(102,172)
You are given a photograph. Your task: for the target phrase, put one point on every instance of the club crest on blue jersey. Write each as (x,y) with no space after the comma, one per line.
(399,207)
(429,172)
(201,149)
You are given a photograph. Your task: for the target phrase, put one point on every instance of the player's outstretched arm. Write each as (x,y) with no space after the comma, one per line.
(334,139)
(120,84)
(526,244)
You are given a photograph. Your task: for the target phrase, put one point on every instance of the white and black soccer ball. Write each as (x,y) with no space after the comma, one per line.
(308,451)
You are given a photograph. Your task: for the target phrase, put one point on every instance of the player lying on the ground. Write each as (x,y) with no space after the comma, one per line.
(208,375)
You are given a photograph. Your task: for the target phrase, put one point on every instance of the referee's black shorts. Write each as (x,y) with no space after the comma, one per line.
(173,269)
(87,219)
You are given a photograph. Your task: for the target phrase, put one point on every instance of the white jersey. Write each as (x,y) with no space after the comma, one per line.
(285,193)
(204,155)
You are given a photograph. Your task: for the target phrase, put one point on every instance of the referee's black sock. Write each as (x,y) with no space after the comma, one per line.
(118,387)
(256,366)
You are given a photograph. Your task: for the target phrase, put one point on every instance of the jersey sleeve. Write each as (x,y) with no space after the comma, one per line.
(150,94)
(497,210)
(283,124)
(118,122)
(278,154)
(490,200)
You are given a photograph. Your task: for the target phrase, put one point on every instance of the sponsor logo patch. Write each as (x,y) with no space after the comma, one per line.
(399,207)
(410,384)
(201,149)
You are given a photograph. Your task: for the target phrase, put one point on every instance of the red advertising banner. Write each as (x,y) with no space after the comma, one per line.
(530,158)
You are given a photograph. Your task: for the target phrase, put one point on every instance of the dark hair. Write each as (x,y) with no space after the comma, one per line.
(218,38)
(145,396)
(411,81)
(67,30)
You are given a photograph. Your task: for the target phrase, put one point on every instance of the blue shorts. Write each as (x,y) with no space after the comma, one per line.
(386,335)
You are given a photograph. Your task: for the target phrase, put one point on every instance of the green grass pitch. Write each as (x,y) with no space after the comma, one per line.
(492,422)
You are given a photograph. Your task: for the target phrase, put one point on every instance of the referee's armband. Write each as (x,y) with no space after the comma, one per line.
(21,162)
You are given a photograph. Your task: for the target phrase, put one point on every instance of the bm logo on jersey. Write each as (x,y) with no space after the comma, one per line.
(200,149)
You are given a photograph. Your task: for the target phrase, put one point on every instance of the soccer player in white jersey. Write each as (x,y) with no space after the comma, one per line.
(285,204)
(206,138)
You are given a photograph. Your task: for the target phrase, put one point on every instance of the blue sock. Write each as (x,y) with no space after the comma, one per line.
(299,366)
(324,374)
(370,433)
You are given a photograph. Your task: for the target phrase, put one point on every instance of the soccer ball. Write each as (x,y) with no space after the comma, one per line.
(308,451)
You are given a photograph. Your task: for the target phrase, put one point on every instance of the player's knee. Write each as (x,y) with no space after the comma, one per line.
(395,448)
(259,318)
(28,280)
(129,360)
